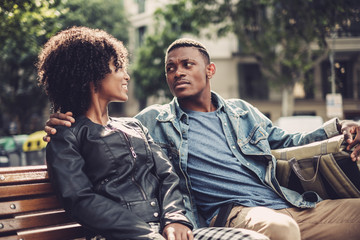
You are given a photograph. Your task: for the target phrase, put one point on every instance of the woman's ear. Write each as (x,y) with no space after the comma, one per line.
(210,70)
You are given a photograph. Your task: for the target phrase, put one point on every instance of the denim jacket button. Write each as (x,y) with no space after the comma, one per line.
(153,204)
(156,214)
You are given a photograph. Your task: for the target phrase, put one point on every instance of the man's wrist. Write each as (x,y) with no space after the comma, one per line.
(331,127)
(338,125)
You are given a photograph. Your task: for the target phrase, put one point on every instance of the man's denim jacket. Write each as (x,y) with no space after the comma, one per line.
(254,133)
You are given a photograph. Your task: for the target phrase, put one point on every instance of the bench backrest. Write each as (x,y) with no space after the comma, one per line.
(29,208)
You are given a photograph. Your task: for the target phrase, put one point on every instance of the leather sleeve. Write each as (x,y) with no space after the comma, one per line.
(92,210)
(172,205)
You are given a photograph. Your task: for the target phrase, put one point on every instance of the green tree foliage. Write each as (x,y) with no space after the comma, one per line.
(148,70)
(108,15)
(25,26)
(278,33)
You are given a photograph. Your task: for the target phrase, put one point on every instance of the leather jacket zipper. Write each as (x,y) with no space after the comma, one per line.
(134,156)
(133,153)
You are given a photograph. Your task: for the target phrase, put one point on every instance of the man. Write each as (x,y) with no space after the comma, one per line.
(221,151)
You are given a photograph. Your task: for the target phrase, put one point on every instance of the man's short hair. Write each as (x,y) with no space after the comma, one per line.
(187,42)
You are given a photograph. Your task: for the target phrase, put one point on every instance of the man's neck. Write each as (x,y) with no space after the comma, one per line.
(199,106)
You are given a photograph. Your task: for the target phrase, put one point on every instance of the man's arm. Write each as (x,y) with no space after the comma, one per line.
(57,119)
(350,129)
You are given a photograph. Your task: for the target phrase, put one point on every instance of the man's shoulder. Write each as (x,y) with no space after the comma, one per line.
(153,110)
(149,114)
(230,102)
(238,103)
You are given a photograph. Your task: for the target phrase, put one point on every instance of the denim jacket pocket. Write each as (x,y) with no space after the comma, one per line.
(258,140)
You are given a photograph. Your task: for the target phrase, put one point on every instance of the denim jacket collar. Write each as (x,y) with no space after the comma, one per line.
(169,113)
(173,109)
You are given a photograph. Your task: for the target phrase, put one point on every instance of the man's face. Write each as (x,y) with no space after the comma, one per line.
(186,72)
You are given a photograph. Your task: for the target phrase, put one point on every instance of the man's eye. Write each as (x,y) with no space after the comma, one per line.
(188,64)
(169,69)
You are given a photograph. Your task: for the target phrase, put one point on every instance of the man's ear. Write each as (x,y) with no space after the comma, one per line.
(210,70)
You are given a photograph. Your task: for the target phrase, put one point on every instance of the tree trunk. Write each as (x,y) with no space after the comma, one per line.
(142,103)
(288,101)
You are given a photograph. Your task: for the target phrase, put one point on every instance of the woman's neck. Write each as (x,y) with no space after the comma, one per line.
(98,109)
(98,113)
(97,117)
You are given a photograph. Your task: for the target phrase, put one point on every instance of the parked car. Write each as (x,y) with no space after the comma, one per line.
(11,152)
(34,148)
(302,123)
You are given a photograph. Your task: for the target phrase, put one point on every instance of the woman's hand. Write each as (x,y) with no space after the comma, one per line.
(177,231)
(56,119)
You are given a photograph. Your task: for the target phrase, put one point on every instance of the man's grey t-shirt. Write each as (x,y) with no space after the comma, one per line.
(217,177)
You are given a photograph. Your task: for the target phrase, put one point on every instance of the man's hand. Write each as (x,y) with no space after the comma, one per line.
(351,131)
(56,119)
(177,231)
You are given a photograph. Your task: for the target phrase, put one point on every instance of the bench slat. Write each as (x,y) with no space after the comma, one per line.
(73,231)
(24,206)
(12,237)
(7,178)
(23,169)
(43,219)
(26,190)
(29,208)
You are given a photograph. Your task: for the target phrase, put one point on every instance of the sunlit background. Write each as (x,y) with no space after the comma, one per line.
(288,58)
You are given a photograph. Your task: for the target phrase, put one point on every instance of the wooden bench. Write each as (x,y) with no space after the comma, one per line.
(29,209)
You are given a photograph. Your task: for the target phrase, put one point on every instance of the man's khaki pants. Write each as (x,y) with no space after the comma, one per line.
(330,220)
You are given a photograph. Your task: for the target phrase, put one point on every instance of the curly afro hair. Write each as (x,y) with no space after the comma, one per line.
(74,58)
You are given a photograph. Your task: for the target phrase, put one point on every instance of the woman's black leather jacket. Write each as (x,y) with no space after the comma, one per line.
(114,179)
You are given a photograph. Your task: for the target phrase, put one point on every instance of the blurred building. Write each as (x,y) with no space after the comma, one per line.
(239,76)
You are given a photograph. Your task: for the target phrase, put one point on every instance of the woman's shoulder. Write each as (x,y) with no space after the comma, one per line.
(81,123)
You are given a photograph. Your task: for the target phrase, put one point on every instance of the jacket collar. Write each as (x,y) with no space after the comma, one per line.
(168,113)
(173,109)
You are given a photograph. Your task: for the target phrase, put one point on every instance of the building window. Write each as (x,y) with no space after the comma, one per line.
(141,35)
(344,83)
(252,85)
(141,6)
(309,85)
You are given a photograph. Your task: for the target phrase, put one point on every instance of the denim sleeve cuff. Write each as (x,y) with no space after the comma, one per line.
(331,127)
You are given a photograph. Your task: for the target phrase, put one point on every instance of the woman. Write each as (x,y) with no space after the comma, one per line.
(108,172)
